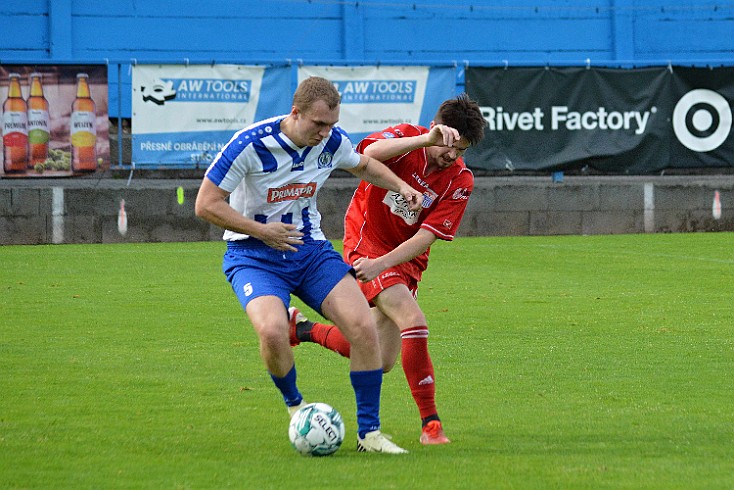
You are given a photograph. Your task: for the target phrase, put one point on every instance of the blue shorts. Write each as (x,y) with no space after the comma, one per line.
(255,270)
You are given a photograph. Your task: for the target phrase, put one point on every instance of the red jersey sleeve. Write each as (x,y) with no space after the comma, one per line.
(443,220)
(399,131)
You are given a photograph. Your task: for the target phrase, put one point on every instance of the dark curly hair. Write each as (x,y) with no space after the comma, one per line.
(464,115)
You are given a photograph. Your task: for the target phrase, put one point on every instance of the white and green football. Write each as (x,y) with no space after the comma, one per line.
(317,429)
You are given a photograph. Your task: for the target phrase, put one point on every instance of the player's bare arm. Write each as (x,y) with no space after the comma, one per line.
(368,269)
(377,173)
(212,206)
(439,135)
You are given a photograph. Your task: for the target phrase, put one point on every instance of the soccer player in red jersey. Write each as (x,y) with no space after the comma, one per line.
(388,244)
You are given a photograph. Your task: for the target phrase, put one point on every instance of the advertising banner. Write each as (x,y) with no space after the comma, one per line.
(54,120)
(184,114)
(623,121)
(376,97)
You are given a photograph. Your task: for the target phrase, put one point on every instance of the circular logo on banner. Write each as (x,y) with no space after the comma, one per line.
(702,120)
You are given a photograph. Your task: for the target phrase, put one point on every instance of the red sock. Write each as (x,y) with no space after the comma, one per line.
(330,337)
(419,369)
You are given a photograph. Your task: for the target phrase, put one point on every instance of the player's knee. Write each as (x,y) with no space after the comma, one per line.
(361,332)
(415,319)
(272,335)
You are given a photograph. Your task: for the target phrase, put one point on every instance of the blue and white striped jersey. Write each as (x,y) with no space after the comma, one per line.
(271,179)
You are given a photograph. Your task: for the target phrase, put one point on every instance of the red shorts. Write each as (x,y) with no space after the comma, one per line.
(400,274)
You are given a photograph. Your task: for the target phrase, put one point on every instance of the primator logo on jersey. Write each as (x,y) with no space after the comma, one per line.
(291,192)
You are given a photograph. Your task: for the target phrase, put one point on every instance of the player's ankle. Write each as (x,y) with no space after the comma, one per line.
(303,330)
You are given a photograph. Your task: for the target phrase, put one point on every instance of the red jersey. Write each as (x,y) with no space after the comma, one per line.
(378,220)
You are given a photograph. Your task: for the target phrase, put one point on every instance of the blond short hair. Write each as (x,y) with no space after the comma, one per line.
(316,88)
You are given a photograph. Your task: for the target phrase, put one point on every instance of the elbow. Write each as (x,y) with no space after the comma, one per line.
(203,213)
(204,201)
(200,209)
(370,152)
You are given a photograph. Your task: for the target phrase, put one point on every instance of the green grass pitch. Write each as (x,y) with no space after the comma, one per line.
(562,362)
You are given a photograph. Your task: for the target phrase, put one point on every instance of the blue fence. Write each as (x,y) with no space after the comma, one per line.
(120,33)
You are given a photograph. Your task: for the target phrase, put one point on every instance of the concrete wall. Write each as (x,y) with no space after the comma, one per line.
(36,211)
(598,205)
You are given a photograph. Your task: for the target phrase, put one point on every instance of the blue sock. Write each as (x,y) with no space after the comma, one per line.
(287,386)
(367,386)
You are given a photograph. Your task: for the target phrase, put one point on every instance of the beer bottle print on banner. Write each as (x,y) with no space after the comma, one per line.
(38,123)
(83,128)
(15,128)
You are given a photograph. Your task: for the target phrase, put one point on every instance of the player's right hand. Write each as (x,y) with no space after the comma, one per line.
(281,236)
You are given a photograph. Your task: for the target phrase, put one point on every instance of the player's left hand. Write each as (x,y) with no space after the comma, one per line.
(367,269)
(442,135)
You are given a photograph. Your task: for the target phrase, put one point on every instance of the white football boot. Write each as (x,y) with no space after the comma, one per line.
(377,442)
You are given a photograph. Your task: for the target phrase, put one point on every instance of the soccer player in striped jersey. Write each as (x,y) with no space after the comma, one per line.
(388,243)
(262,189)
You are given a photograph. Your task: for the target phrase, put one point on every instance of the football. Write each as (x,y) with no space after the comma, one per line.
(317,429)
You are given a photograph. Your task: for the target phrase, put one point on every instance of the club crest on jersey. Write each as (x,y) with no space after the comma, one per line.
(428,197)
(291,192)
(325,159)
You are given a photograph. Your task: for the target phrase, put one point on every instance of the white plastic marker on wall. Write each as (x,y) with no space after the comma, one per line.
(122,219)
(649,213)
(57,215)
(716,209)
